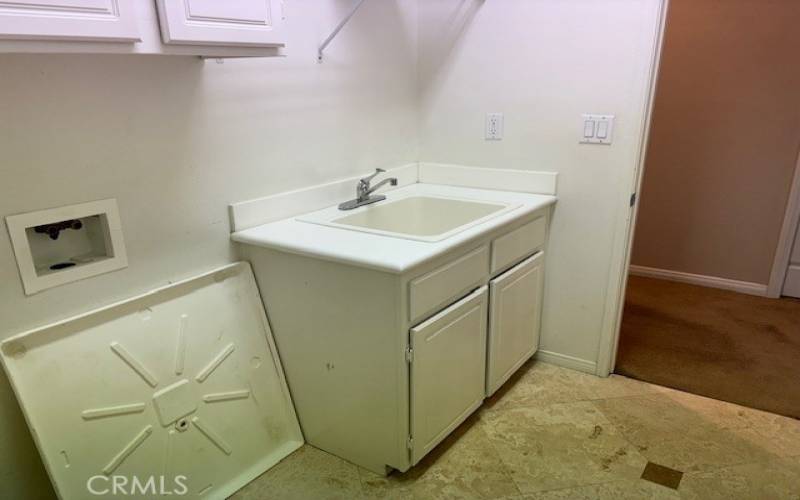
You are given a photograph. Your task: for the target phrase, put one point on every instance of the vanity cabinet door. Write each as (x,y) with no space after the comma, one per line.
(448,371)
(70,20)
(514,321)
(256,23)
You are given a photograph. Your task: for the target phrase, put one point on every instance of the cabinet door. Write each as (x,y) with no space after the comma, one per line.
(257,23)
(514,320)
(75,20)
(448,371)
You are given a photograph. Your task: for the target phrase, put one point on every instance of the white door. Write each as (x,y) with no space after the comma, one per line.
(514,321)
(791,287)
(102,20)
(448,370)
(257,23)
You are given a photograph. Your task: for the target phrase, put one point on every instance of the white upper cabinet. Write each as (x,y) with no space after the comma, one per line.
(103,20)
(207,28)
(255,23)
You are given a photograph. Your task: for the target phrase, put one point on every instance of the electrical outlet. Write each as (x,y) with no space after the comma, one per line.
(494,126)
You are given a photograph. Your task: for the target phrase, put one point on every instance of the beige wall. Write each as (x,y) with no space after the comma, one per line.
(176,139)
(725,138)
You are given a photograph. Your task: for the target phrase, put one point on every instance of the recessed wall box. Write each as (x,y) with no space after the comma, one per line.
(88,242)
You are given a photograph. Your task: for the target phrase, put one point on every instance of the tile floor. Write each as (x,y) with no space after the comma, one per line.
(553,433)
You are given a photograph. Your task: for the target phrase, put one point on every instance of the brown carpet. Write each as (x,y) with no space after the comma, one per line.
(715,343)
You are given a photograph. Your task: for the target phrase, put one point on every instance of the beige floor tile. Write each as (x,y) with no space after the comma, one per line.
(615,386)
(306,474)
(719,413)
(619,490)
(464,466)
(776,433)
(539,384)
(553,433)
(535,384)
(679,437)
(592,387)
(560,446)
(779,479)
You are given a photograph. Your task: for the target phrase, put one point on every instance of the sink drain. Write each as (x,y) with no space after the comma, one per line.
(182,424)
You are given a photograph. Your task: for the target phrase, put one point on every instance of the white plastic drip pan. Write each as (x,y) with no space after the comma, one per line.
(182,385)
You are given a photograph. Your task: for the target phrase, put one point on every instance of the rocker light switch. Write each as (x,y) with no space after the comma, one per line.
(602,130)
(588,129)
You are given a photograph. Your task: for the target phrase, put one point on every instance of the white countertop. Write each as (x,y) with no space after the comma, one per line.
(387,253)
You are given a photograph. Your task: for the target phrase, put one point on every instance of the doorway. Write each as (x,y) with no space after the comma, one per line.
(718,188)
(791,277)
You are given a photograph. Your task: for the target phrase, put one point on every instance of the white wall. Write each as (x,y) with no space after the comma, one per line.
(175,139)
(543,63)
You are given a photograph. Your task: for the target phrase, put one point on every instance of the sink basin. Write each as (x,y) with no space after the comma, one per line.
(425,218)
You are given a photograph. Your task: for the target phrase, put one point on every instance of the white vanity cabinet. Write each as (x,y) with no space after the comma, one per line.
(515,319)
(256,23)
(447,354)
(69,20)
(383,364)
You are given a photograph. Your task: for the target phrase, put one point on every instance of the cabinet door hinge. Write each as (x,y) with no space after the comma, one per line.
(410,443)
(409,354)
(633,199)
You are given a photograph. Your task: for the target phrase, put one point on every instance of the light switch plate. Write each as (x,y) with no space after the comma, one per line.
(597,129)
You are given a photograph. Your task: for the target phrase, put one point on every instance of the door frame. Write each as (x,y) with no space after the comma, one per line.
(783,253)
(618,274)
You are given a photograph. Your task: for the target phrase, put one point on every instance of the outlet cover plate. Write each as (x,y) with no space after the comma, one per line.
(494,126)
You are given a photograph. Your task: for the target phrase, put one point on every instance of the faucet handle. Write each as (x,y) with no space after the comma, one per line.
(366,180)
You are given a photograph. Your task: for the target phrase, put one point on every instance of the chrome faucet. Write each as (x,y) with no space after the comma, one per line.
(364,191)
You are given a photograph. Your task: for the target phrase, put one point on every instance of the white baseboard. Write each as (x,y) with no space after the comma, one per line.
(745,287)
(581,365)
